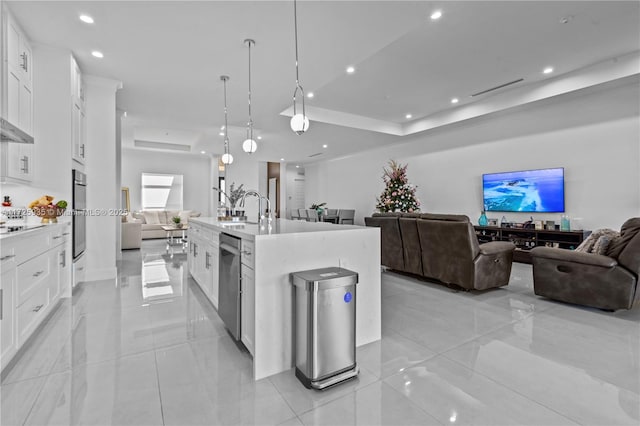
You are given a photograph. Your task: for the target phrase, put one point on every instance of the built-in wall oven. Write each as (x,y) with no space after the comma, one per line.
(79,218)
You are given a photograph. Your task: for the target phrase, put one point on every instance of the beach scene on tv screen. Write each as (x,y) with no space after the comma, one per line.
(524,191)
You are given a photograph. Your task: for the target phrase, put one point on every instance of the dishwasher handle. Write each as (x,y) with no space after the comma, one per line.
(231,249)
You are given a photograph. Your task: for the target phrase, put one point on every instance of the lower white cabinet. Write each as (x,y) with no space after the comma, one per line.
(247,301)
(35,274)
(8,344)
(203,260)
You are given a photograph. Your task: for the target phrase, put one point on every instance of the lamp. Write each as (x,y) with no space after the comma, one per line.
(227,158)
(249,145)
(299,122)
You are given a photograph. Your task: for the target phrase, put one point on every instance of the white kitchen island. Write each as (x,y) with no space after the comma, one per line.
(269,255)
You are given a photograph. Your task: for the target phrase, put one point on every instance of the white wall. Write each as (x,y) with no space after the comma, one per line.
(196,171)
(103,192)
(593,134)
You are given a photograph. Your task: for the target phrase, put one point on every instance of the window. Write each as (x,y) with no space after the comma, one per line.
(161,192)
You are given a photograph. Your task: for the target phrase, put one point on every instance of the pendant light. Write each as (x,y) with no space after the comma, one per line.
(249,145)
(227,158)
(299,122)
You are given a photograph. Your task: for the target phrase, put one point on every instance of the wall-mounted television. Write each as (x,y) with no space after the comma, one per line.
(539,191)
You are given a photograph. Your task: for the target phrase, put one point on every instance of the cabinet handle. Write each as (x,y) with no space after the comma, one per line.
(63,256)
(206,262)
(9,256)
(82,150)
(1,303)
(247,252)
(37,274)
(37,308)
(57,236)
(25,61)
(66,233)
(25,161)
(195,250)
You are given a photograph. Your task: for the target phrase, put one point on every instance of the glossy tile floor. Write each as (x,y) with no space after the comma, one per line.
(149,349)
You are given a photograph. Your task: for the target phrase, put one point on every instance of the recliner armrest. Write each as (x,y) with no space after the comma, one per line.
(573,256)
(495,247)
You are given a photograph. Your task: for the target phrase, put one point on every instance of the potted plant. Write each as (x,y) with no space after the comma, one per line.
(318,207)
(177,221)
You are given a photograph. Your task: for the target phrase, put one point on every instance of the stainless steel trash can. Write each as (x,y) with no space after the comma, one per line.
(325,326)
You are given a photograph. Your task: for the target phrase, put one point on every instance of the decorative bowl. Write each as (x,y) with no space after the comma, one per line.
(48,214)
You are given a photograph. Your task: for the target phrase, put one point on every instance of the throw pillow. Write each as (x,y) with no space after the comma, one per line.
(598,241)
(151,217)
(588,243)
(184,216)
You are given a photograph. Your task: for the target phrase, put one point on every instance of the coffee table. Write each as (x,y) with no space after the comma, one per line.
(172,239)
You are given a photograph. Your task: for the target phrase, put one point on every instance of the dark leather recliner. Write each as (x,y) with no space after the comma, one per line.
(442,247)
(391,252)
(606,282)
(451,253)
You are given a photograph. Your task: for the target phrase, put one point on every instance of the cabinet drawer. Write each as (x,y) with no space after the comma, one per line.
(60,235)
(32,274)
(7,256)
(248,253)
(31,312)
(32,244)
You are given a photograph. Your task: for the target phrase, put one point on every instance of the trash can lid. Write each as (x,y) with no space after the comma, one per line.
(324,278)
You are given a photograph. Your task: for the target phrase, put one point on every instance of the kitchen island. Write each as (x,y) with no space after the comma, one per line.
(268,255)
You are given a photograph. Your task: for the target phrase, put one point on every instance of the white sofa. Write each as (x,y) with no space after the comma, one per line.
(152,220)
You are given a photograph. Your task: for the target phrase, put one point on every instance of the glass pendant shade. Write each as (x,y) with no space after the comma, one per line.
(299,123)
(249,146)
(227,158)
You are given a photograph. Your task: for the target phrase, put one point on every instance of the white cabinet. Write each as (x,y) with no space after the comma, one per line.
(35,274)
(247,307)
(203,260)
(8,344)
(78,121)
(18,104)
(247,301)
(16,162)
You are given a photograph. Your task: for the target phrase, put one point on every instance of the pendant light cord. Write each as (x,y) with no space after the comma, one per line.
(226,135)
(298,86)
(250,123)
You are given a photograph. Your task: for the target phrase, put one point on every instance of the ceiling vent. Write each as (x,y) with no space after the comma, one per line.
(498,87)
(316,154)
(161,145)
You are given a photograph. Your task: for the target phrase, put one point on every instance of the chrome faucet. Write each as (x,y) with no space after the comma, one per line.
(257,194)
(261,216)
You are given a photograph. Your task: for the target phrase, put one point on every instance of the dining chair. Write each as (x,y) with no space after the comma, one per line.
(295,215)
(346,216)
(312,215)
(302,214)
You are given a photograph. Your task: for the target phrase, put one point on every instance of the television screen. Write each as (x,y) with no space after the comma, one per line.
(524,191)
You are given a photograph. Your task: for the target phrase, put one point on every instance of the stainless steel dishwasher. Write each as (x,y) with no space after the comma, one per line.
(229,288)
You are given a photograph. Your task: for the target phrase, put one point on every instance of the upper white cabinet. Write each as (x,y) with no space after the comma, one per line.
(78,122)
(17,55)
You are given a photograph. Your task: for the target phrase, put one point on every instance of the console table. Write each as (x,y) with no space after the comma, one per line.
(526,239)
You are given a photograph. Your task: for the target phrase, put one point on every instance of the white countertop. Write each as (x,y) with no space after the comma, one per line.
(33,228)
(251,230)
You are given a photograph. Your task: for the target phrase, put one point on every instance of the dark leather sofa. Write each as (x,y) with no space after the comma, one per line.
(606,282)
(443,248)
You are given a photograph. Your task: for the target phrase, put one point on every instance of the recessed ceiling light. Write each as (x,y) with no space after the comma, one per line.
(259,137)
(86,18)
(325,145)
(297,167)
(408,116)
(547,70)
(436,15)
(221,133)
(97,54)
(282,159)
(454,100)
(202,152)
(310,95)
(222,127)
(351,70)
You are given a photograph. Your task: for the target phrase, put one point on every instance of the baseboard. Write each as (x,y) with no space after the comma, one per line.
(100,274)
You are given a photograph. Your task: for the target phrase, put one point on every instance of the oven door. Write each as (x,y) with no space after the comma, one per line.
(79,214)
